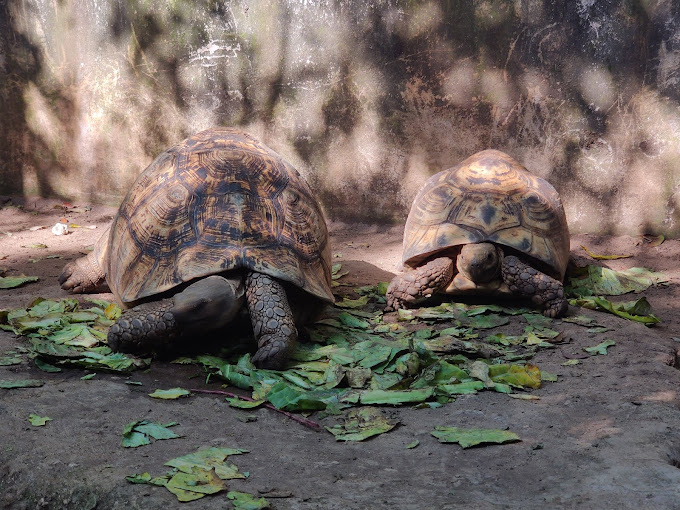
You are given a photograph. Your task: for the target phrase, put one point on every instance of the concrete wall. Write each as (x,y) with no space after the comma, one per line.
(367,99)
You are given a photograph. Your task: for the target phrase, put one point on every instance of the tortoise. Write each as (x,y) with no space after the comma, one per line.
(485,227)
(215,222)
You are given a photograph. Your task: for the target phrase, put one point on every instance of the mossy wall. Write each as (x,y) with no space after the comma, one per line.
(367,99)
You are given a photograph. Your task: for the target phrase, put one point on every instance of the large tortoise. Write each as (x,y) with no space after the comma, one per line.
(215,221)
(486,226)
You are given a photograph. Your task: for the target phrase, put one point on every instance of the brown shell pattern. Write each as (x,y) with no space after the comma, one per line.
(219,200)
(488,197)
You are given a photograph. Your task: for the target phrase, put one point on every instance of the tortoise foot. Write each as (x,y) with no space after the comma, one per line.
(272,320)
(545,292)
(419,283)
(83,276)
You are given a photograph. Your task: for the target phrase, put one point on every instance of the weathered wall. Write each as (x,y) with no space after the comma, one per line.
(367,99)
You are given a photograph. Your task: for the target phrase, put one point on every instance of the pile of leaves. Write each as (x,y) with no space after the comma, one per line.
(65,334)
(201,473)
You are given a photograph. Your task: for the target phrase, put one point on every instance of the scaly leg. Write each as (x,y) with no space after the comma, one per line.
(206,305)
(544,291)
(419,283)
(272,320)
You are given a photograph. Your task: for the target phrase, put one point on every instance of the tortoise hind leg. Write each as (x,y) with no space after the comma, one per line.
(544,291)
(203,306)
(419,283)
(272,320)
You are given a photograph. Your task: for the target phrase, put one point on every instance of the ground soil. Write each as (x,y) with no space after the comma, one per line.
(606,435)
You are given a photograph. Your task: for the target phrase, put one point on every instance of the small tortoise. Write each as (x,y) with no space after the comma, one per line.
(215,221)
(485,227)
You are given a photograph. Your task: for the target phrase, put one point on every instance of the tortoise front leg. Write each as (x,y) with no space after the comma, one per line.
(544,291)
(419,283)
(272,320)
(206,305)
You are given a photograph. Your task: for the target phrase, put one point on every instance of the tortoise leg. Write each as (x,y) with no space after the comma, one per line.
(419,283)
(544,291)
(272,319)
(206,305)
(86,274)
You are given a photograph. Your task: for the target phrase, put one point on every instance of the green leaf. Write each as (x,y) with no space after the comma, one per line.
(38,421)
(472,437)
(245,501)
(170,394)
(352,321)
(11,282)
(352,303)
(88,377)
(395,397)
(244,404)
(596,280)
(12,359)
(600,348)
(139,433)
(637,311)
(286,397)
(45,367)
(492,320)
(361,424)
(23,383)
(139,479)
(462,388)
(412,444)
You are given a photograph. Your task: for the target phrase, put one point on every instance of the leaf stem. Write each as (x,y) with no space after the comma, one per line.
(304,421)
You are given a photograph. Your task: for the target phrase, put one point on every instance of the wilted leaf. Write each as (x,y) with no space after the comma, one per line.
(653,241)
(12,359)
(637,311)
(395,397)
(571,362)
(138,433)
(352,303)
(599,281)
(480,370)
(20,383)
(170,394)
(352,321)
(286,397)
(600,348)
(472,437)
(210,458)
(195,485)
(361,424)
(11,282)
(489,321)
(519,376)
(604,257)
(38,421)
(244,404)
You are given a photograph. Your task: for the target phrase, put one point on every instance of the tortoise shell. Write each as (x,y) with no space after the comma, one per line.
(489,197)
(218,201)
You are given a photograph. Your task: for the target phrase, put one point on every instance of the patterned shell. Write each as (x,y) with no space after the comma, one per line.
(488,197)
(219,200)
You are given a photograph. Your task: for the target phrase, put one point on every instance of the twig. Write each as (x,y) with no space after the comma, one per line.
(304,421)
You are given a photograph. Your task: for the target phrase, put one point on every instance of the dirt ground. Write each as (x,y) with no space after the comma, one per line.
(606,435)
